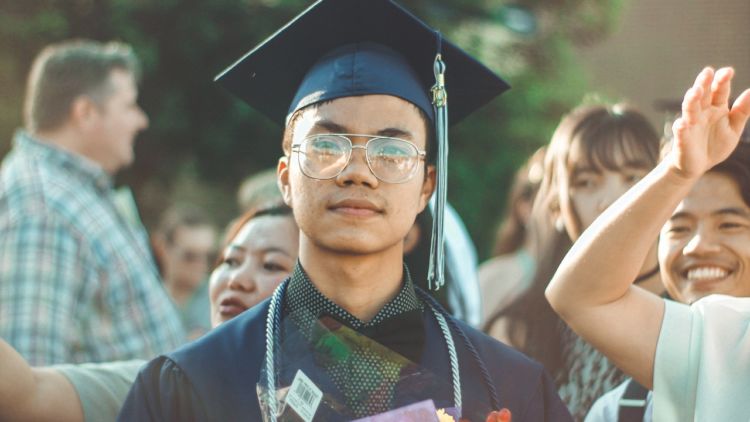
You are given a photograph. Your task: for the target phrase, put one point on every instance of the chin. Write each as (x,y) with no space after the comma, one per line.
(355,245)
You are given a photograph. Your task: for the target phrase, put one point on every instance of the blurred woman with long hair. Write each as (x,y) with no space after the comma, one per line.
(595,155)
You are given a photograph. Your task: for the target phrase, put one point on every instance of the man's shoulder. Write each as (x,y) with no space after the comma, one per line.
(242,336)
(22,183)
(521,384)
(499,354)
(220,366)
(30,185)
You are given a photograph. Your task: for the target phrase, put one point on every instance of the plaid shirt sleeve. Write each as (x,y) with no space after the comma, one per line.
(42,271)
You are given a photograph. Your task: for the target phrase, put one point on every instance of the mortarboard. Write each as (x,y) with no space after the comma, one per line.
(341,48)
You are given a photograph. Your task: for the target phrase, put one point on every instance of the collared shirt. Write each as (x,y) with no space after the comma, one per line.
(364,376)
(77,278)
(302,294)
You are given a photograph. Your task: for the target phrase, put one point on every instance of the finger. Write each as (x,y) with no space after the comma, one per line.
(740,112)
(721,87)
(679,132)
(691,104)
(703,81)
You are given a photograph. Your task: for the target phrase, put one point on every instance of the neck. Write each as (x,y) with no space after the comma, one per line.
(62,137)
(361,284)
(70,140)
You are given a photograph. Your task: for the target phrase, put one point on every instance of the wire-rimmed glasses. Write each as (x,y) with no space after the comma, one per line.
(325,156)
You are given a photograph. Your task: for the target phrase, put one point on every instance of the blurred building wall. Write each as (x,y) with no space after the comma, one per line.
(659,47)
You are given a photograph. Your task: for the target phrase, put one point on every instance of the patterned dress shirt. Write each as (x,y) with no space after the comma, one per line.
(77,279)
(365,378)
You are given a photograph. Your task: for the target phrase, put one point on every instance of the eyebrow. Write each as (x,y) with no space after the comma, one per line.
(740,212)
(334,127)
(236,246)
(267,250)
(588,169)
(679,215)
(628,165)
(636,164)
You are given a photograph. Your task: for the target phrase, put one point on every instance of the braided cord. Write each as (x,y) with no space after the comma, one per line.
(491,390)
(455,372)
(273,322)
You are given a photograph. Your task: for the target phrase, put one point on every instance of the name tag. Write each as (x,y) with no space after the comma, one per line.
(304,396)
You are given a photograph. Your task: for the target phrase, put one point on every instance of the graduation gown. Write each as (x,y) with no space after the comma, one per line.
(215,377)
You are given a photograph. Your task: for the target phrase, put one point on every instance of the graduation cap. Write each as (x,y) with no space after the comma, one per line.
(342,48)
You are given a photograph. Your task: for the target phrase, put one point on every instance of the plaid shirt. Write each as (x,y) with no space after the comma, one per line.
(77,279)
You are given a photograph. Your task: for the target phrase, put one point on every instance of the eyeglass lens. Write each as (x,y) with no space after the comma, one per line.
(390,160)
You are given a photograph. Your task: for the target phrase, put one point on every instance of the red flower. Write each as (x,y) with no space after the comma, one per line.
(499,416)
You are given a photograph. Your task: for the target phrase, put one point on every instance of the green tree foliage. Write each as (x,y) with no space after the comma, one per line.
(199,132)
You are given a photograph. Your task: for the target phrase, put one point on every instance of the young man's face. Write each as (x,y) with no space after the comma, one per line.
(355,212)
(705,246)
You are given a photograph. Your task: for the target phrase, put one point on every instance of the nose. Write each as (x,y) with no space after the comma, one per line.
(605,201)
(701,243)
(613,191)
(242,280)
(357,172)
(143,119)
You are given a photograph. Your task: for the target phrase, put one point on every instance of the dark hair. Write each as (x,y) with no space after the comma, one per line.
(430,147)
(603,132)
(737,166)
(62,72)
(270,209)
(512,231)
(181,215)
(258,189)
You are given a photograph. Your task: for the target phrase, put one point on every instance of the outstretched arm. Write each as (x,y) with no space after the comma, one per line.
(34,394)
(592,289)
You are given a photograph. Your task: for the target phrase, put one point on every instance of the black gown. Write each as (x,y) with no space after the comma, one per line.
(215,377)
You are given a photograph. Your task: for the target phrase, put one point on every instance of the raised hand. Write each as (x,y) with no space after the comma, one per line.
(708,130)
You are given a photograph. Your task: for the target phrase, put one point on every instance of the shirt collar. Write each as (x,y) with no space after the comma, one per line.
(303,298)
(75,164)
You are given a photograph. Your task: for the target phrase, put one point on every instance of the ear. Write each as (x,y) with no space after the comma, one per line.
(82,111)
(282,179)
(428,187)
(159,243)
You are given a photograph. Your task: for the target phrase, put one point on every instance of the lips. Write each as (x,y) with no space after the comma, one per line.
(232,307)
(356,207)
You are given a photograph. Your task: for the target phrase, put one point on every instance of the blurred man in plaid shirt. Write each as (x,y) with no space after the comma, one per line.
(77,278)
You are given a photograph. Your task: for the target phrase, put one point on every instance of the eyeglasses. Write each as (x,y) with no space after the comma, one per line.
(325,156)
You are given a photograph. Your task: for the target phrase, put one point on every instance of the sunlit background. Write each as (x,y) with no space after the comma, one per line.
(202,142)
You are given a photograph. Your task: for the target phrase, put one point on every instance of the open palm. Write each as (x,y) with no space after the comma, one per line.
(708,130)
